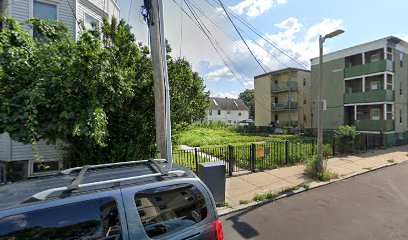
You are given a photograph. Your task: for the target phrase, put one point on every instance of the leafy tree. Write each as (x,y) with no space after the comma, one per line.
(95,94)
(346,136)
(249,99)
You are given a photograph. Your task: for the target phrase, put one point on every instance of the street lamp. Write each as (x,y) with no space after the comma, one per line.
(321,101)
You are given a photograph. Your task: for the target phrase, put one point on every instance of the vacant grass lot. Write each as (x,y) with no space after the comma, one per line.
(219,135)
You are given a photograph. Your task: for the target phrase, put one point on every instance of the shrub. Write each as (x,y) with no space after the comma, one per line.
(312,170)
(346,136)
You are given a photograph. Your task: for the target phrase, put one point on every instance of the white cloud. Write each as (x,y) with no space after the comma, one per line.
(302,49)
(249,85)
(232,94)
(255,8)
(222,73)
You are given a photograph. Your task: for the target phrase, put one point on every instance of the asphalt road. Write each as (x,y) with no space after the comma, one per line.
(369,206)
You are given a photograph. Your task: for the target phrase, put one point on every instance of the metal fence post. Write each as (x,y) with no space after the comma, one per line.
(334,146)
(313,146)
(196,159)
(366,142)
(286,152)
(252,157)
(231,158)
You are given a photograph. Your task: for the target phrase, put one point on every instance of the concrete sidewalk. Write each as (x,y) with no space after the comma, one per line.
(243,186)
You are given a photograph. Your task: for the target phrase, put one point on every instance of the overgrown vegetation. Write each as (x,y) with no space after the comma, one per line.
(219,134)
(312,170)
(346,137)
(95,94)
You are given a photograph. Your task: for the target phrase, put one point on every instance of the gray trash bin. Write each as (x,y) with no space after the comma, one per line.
(213,175)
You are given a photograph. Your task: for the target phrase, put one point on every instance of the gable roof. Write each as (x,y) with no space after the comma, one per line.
(227,104)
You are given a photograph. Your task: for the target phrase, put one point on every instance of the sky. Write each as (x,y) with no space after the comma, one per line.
(286,33)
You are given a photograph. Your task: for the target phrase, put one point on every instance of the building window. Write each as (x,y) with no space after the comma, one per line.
(210,112)
(219,112)
(90,23)
(229,121)
(400,88)
(304,81)
(304,117)
(375,114)
(276,118)
(304,101)
(43,10)
(239,114)
(400,116)
(235,122)
(401,60)
(389,53)
(390,114)
(44,167)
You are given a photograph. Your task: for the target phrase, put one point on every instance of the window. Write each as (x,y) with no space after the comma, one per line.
(210,112)
(389,82)
(235,122)
(400,116)
(304,117)
(41,167)
(304,101)
(93,219)
(183,206)
(229,121)
(400,88)
(390,114)
(304,81)
(239,114)
(219,112)
(90,22)
(43,11)
(375,114)
(401,60)
(276,118)
(375,85)
(389,53)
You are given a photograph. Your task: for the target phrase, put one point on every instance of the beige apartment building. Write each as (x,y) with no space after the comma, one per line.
(283,98)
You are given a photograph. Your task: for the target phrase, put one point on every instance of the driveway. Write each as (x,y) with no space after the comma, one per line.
(369,206)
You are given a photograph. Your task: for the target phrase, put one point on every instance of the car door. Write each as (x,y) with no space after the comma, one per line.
(174,210)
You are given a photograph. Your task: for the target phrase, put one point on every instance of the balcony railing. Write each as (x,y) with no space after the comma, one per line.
(284,87)
(380,66)
(370,96)
(375,125)
(279,107)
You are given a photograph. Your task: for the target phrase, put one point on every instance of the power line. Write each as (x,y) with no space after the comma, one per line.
(259,34)
(234,63)
(181,27)
(203,29)
(130,8)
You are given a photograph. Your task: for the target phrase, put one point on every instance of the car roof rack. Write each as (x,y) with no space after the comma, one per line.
(76,183)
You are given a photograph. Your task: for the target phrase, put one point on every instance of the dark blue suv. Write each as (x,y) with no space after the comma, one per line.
(120,201)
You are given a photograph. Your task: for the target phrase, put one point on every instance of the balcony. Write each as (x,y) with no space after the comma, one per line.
(375,125)
(284,87)
(374,67)
(280,107)
(370,96)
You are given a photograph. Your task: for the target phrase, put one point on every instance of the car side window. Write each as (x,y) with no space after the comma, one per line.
(168,209)
(93,219)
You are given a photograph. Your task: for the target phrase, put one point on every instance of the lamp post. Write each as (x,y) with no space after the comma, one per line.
(321,101)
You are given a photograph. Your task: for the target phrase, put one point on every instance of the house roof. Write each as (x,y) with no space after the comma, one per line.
(227,104)
(280,71)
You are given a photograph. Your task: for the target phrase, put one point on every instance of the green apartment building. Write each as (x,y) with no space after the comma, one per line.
(283,97)
(366,86)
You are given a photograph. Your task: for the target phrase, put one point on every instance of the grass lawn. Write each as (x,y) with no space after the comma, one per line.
(196,136)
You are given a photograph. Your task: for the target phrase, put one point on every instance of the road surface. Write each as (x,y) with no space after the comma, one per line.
(369,206)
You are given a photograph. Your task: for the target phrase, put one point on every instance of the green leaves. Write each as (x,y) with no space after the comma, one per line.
(95,94)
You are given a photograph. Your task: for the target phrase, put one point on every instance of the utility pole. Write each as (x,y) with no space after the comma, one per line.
(322,102)
(289,101)
(162,100)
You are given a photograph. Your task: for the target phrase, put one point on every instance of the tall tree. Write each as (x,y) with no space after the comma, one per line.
(95,94)
(248,98)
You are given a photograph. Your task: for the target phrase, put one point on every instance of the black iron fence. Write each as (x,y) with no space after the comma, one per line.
(271,155)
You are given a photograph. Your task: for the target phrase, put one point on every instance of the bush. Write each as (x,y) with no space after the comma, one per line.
(312,170)
(346,137)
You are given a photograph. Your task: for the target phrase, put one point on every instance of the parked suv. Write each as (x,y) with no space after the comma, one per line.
(120,201)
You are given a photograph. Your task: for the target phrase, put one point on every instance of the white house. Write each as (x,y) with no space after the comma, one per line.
(69,12)
(17,160)
(228,110)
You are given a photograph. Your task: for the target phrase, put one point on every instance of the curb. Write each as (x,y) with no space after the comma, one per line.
(313,185)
